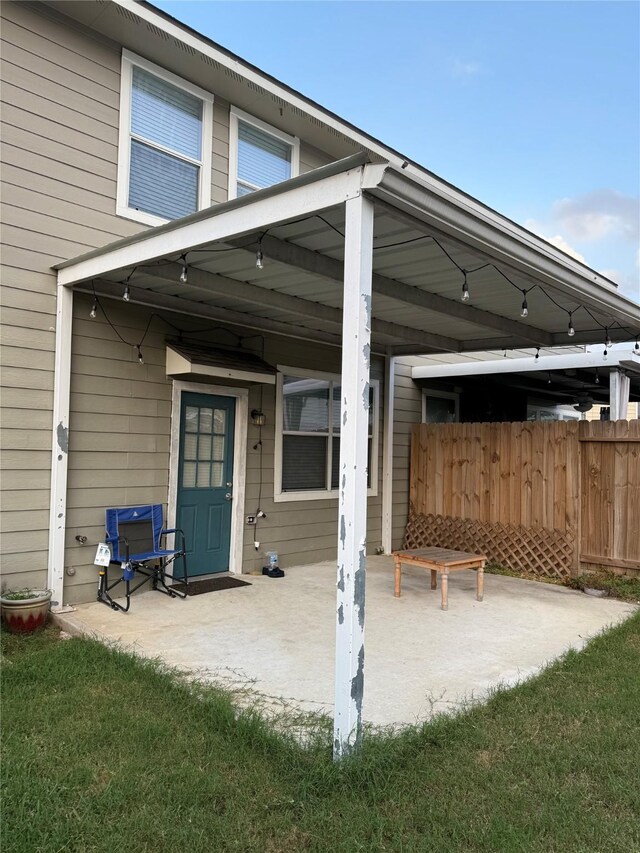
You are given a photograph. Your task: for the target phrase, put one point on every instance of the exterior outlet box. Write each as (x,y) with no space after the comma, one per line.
(251,519)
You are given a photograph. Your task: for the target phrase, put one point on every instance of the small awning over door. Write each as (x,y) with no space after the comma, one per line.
(197,362)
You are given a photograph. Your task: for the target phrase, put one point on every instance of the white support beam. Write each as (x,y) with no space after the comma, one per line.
(619,386)
(60,446)
(387,454)
(352,514)
(261,210)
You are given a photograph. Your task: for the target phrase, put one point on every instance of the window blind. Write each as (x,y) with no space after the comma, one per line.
(263,159)
(160,183)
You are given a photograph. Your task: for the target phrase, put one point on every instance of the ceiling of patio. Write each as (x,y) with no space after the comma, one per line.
(303,262)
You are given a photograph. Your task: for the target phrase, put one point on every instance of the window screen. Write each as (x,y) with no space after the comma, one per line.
(311,434)
(166,147)
(263,159)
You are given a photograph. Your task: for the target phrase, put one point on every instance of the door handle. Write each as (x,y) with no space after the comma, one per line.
(228,496)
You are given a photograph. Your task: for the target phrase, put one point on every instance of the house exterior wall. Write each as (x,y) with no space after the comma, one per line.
(61,94)
(120,432)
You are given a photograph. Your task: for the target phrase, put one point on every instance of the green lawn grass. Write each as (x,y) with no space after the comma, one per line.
(104,752)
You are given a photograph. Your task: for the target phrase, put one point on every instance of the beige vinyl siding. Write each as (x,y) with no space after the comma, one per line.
(407,412)
(61,93)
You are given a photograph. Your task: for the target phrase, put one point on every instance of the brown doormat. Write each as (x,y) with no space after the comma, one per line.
(209,585)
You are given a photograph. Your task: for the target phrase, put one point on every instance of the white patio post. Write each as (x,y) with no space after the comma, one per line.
(60,444)
(387,454)
(618,395)
(352,516)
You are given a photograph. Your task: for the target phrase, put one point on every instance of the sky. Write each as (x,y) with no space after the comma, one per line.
(532,107)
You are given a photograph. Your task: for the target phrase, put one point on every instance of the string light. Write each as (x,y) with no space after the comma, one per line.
(597,377)
(465,288)
(607,338)
(94,309)
(140,359)
(183,274)
(126,295)
(605,353)
(537,353)
(524,311)
(637,346)
(570,330)
(259,257)
(549,378)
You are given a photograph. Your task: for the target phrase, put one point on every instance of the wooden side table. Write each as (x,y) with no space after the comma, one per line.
(440,561)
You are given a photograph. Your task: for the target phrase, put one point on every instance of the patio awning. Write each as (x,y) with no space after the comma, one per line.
(366,257)
(426,243)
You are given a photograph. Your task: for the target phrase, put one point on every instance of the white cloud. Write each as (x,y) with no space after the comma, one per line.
(462,69)
(628,285)
(597,215)
(558,240)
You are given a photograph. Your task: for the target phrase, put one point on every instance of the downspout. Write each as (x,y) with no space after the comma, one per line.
(387,454)
(60,445)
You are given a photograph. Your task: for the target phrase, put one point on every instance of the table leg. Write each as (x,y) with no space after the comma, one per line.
(398,577)
(444,582)
(480,583)
(434,579)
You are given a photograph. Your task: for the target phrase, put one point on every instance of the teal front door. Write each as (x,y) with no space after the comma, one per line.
(205,481)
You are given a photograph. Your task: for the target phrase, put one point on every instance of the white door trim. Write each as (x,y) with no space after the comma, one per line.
(241,396)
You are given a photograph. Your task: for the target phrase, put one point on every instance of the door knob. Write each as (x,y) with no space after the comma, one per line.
(228,496)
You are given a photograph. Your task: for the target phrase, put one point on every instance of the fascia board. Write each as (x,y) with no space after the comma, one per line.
(522,365)
(258,211)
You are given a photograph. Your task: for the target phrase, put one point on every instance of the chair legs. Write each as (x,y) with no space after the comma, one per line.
(157,574)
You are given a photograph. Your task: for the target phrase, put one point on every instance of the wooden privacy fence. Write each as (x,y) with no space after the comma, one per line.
(551,497)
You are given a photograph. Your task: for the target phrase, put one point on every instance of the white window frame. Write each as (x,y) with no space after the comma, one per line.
(236,115)
(321,494)
(443,395)
(129,60)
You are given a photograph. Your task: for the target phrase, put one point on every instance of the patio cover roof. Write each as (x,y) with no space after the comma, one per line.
(390,248)
(423,237)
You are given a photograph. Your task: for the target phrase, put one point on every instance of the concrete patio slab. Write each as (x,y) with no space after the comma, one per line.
(276,637)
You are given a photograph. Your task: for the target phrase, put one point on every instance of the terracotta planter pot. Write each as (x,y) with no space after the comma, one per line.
(25,615)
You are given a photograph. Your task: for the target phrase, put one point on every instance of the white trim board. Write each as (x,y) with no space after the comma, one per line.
(241,396)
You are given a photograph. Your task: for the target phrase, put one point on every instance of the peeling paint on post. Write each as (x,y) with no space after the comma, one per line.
(60,443)
(352,531)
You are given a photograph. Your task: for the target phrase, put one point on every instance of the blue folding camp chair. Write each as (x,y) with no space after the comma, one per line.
(135,536)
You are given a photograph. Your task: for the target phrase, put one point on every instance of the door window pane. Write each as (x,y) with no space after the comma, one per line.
(190,446)
(217,451)
(189,475)
(217,475)
(191,419)
(219,421)
(204,448)
(204,475)
(206,420)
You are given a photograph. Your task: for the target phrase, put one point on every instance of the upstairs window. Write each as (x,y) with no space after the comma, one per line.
(259,155)
(164,168)
(307,456)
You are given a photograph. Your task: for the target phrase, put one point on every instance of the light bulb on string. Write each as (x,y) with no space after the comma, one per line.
(184,274)
(140,359)
(597,377)
(126,295)
(465,288)
(524,311)
(259,257)
(607,339)
(537,356)
(549,378)
(570,330)
(94,309)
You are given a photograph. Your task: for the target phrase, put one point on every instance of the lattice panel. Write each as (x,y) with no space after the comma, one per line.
(548,553)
